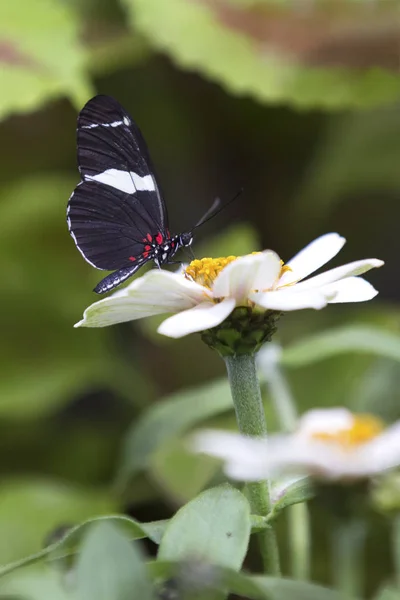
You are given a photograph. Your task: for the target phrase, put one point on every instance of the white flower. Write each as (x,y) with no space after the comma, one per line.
(210,289)
(328,444)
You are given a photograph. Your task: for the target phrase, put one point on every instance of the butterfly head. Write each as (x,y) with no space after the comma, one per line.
(185,239)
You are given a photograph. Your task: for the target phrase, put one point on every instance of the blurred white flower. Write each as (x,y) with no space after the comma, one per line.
(210,289)
(327,444)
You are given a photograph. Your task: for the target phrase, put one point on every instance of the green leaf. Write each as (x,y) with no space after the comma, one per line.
(361,339)
(109,567)
(179,472)
(40,54)
(388,592)
(214,528)
(68,544)
(35,584)
(289,589)
(170,417)
(235,47)
(31,509)
(287,494)
(243,585)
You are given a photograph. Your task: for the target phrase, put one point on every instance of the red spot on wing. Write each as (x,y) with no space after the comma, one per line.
(172,244)
(132,258)
(159,238)
(149,237)
(147,247)
(145,254)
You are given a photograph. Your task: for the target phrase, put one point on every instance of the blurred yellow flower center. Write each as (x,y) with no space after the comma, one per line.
(205,270)
(363,429)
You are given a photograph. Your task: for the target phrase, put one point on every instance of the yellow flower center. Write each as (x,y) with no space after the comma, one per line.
(363,429)
(205,270)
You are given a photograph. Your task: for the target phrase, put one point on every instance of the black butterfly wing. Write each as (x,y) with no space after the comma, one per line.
(110,228)
(111,149)
(117,205)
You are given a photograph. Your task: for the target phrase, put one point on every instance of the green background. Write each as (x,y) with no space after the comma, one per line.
(300,108)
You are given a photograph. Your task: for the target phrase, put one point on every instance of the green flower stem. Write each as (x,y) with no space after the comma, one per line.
(250,416)
(396,547)
(298,514)
(348,539)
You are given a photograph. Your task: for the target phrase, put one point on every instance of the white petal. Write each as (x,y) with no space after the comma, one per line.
(327,420)
(312,257)
(289,299)
(203,316)
(155,293)
(245,458)
(250,459)
(354,268)
(383,452)
(252,272)
(351,289)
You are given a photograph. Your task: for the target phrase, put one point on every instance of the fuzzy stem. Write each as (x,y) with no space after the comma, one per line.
(298,515)
(250,416)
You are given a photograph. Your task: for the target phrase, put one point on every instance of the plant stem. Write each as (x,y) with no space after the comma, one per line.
(250,416)
(396,547)
(286,410)
(300,540)
(348,539)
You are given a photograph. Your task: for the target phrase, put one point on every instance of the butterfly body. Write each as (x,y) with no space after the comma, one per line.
(116,214)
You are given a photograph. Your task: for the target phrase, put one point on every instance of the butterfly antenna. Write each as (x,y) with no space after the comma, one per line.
(215,209)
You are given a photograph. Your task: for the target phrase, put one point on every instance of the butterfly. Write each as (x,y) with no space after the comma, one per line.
(116,215)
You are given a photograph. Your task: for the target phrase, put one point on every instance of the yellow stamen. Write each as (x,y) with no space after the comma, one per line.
(205,270)
(363,429)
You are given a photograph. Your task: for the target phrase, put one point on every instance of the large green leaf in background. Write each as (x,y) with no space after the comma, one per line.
(41,57)
(167,419)
(214,527)
(110,567)
(36,584)
(31,509)
(312,59)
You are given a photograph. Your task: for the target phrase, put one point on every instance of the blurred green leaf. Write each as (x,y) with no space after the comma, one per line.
(36,583)
(254,587)
(387,593)
(289,589)
(356,156)
(231,46)
(120,49)
(168,418)
(289,493)
(41,55)
(357,338)
(69,542)
(110,567)
(31,509)
(214,527)
(179,472)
